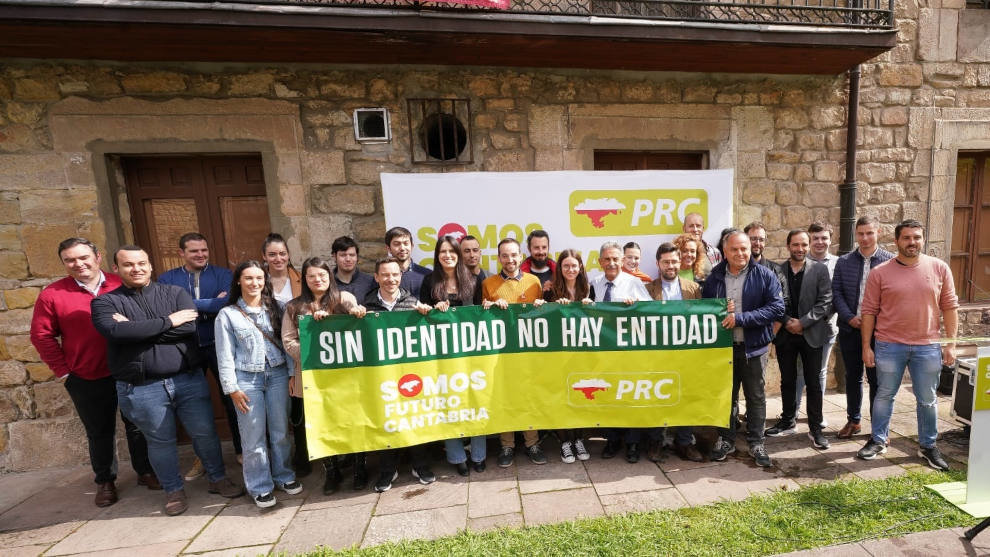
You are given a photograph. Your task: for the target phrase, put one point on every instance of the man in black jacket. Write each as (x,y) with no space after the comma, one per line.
(153,353)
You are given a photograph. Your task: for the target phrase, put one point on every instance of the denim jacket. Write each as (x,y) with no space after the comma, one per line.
(242,347)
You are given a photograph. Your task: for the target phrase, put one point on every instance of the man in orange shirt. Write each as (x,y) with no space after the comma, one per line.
(901,304)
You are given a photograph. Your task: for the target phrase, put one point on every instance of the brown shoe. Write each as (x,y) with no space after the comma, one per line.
(689,452)
(848,430)
(106,494)
(175,502)
(150,480)
(226,488)
(655,452)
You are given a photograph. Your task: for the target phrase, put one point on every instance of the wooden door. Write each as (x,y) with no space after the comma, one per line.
(649,160)
(221,197)
(969,255)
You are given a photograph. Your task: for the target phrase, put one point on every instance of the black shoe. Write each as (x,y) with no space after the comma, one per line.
(759,454)
(818,440)
(360,473)
(536,455)
(871,450)
(478,466)
(934,458)
(722,449)
(782,428)
(424,475)
(505,457)
(462,468)
(331,478)
(385,480)
(611,449)
(632,453)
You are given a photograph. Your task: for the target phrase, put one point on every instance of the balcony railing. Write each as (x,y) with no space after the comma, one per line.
(850,14)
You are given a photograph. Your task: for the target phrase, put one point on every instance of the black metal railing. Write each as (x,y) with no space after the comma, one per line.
(853,14)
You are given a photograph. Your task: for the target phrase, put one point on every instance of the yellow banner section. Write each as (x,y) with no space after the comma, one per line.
(388,406)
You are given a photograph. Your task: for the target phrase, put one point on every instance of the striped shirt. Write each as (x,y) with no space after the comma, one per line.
(522,288)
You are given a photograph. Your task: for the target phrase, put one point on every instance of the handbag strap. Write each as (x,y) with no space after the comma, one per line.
(267,336)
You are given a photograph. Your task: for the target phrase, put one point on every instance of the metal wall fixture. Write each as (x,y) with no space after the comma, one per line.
(440,131)
(372,125)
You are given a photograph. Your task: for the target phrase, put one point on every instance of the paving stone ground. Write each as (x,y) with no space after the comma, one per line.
(50,512)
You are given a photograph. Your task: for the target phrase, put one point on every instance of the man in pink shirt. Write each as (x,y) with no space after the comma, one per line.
(901,305)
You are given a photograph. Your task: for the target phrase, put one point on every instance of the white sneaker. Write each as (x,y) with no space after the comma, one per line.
(580,451)
(265,500)
(566,454)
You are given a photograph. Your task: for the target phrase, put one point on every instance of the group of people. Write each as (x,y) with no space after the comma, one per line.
(126,340)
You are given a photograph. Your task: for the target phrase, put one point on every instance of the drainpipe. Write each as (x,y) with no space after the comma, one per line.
(847,190)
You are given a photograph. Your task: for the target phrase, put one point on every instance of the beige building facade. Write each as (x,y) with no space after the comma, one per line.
(67,125)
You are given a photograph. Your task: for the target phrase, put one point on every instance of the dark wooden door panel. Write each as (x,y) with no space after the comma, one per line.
(649,160)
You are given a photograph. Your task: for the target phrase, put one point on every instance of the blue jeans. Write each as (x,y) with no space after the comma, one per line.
(456,453)
(154,408)
(924,363)
(265,429)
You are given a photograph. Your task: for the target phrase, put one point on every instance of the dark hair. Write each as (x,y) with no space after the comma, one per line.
(189,237)
(538,233)
(128,247)
(794,233)
(274,238)
(381,262)
(506,241)
(753,226)
(397,232)
(631,245)
(867,219)
(667,247)
(907,223)
(344,243)
(559,286)
(726,232)
(268,302)
(819,226)
(470,237)
(73,242)
(463,277)
(330,301)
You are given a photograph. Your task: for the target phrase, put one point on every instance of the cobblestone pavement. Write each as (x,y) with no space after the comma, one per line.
(50,511)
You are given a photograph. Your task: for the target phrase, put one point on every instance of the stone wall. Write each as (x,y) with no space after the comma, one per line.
(63,124)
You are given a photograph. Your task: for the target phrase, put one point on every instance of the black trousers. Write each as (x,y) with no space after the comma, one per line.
(96,404)
(790,347)
(389,458)
(851,347)
(210,353)
(297,419)
(748,374)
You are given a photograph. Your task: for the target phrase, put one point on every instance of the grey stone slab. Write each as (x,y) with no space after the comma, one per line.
(25,551)
(45,535)
(138,520)
(844,455)
(946,542)
(558,506)
(68,500)
(413,496)
(642,501)
(426,524)
(618,476)
(18,486)
(492,497)
(245,525)
(343,498)
(731,480)
(844,550)
(551,476)
(336,528)
(804,463)
(487,523)
(168,549)
(251,551)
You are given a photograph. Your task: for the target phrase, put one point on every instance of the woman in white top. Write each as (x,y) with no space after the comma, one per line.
(286,281)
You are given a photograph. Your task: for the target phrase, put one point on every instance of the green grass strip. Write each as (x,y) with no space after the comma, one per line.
(815,516)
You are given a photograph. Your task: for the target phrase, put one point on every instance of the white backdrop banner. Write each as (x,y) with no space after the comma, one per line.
(580,210)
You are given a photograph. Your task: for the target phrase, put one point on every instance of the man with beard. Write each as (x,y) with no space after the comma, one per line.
(757,233)
(153,353)
(539,262)
(821,240)
(512,286)
(398,243)
(848,285)
(471,256)
(902,303)
(346,274)
(755,303)
(615,286)
(805,331)
(671,287)
(694,224)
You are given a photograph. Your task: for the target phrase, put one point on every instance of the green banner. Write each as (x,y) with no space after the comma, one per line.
(394,379)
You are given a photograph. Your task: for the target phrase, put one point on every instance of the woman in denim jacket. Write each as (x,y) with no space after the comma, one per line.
(255,371)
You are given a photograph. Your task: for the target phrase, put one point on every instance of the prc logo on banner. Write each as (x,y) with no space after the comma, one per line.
(633,212)
(622,388)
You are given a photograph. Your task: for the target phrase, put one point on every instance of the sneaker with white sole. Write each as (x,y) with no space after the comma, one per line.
(781,428)
(292,488)
(934,458)
(566,453)
(265,500)
(196,471)
(871,450)
(760,456)
(424,475)
(722,449)
(580,451)
(385,480)
(818,440)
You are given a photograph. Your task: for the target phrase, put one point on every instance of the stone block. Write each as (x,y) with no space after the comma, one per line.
(10,238)
(503,140)
(921,127)
(9,412)
(342,89)
(780,171)
(500,104)
(369,229)
(514,122)
(875,173)
(699,94)
(25,113)
(483,86)
(559,506)
(754,127)
(153,83)
(485,121)
(323,229)
(58,206)
(15,322)
(15,138)
(36,89)
(355,200)
(787,194)
(828,117)
(252,84)
(39,372)
(637,92)
(12,373)
(21,349)
(899,75)
(39,240)
(509,161)
(19,298)
(827,171)
(13,265)
(894,116)
(810,141)
(821,194)
(797,217)
(547,126)
(751,165)
(323,167)
(758,192)
(551,159)
(52,400)
(792,118)
(425,524)
(803,173)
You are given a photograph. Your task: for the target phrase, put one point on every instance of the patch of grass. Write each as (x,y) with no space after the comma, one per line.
(815,516)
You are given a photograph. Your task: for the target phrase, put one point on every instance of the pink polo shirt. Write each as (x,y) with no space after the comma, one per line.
(909,299)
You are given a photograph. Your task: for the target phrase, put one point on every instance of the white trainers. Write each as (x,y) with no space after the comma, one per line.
(566,454)
(580,451)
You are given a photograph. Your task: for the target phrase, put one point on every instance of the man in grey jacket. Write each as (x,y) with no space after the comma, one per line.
(805,331)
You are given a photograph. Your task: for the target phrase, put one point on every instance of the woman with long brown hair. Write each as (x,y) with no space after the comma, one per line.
(286,281)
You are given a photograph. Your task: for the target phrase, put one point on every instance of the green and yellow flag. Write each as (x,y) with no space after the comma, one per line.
(395,379)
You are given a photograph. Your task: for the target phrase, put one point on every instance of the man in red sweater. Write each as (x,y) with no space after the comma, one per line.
(63,333)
